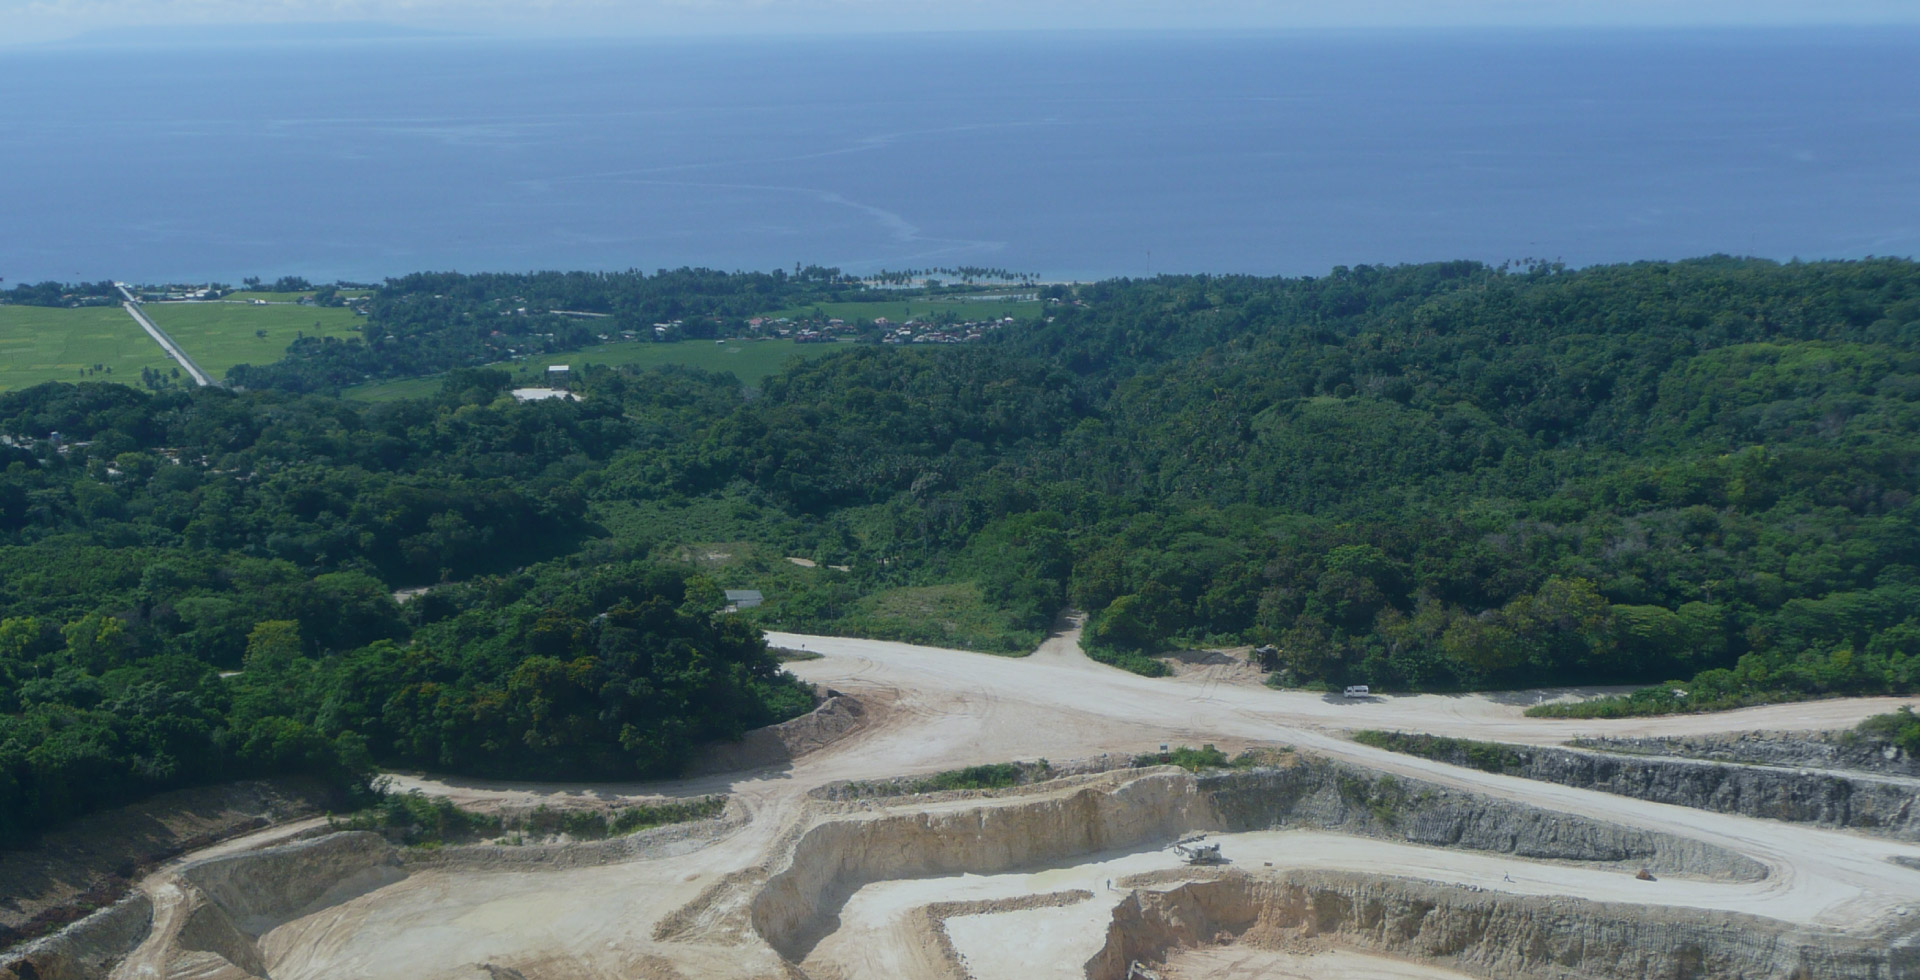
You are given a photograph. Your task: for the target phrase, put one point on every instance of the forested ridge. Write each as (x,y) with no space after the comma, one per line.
(1431,477)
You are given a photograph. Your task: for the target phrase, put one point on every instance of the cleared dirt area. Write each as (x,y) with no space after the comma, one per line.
(1042,880)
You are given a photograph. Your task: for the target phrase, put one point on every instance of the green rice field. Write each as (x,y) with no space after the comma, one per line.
(40,344)
(220,335)
(749,360)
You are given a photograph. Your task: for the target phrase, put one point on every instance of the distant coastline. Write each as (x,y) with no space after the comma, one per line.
(1084,157)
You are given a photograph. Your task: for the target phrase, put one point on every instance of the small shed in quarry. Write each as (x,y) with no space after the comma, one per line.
(738,599)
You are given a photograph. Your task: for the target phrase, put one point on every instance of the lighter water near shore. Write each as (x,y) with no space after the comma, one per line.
(1068,156)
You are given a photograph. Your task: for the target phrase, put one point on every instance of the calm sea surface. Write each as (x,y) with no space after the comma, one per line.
(1069,157)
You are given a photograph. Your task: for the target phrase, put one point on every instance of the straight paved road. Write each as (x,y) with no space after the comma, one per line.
(166,343)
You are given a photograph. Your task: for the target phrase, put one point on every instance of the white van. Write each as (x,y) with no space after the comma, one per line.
(1357,691)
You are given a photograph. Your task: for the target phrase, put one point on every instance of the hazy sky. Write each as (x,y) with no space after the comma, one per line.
(39,20)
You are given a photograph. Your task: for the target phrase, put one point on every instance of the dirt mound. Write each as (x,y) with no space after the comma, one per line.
(262,889)
(836,718)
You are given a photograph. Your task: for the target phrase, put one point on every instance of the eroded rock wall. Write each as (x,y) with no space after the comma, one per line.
(833,858)
(837,717)
(666,841)
(1815,750)
(85,950)
(1327,795)
(1502,937)
(1885,805)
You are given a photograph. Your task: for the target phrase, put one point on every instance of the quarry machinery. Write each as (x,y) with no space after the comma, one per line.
(1193,852)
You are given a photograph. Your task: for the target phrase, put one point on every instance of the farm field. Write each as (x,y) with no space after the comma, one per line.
(749,360)
(220,335)
(901,310)
(39,344)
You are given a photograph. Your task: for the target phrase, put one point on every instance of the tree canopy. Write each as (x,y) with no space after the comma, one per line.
(1433,477)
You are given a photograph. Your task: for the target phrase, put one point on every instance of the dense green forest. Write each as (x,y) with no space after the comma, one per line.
(195,586)
(1433,477)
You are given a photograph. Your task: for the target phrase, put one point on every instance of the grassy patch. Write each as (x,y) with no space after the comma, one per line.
(994,776)
(221,335)
(422,821)
(1132,661)
(638,818)
(1667,699)
(749,360)
(94,343)
(417,819)
(1194,760)
(998,775)
(1902,728)
(596,824)
(739,545)
(1485,756)
(954,615)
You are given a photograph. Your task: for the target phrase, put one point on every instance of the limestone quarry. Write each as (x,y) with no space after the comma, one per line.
(1342,861)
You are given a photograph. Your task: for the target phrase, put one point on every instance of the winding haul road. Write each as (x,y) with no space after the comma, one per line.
(940,709)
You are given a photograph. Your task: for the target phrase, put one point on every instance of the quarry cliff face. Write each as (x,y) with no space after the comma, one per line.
(1812,750)
(796,905)
(834,857)
(1327,795)
(1499,936)
(222,916)
(1873,803)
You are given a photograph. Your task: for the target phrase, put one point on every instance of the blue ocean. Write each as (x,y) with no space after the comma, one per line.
(1069,156)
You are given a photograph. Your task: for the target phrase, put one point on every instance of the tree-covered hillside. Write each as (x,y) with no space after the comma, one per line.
(1429,477)
(196,586)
